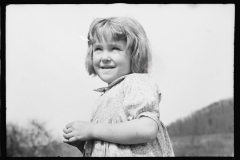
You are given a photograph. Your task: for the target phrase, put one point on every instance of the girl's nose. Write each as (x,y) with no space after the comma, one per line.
(105,57)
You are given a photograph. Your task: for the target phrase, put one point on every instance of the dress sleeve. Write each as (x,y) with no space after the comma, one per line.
(142,98)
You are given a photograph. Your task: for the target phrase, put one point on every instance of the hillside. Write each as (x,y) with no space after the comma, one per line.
(215,118)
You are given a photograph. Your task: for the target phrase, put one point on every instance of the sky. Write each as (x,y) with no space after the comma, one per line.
(46,79)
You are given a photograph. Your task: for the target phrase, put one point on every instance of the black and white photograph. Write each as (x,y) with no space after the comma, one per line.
(119,80)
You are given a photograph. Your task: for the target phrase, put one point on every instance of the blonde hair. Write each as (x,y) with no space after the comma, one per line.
(121,28)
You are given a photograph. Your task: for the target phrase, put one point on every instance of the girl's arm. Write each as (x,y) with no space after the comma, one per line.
(131,132)
(135,131)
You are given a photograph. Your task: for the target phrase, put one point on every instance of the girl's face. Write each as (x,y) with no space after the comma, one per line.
(111,59)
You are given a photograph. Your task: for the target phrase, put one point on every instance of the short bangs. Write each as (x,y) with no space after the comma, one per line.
(106,28)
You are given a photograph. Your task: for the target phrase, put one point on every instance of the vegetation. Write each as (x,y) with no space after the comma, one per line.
(218,145)
(207,132)
(216,118)
(35,141)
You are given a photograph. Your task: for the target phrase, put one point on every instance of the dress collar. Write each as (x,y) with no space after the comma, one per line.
(104,89)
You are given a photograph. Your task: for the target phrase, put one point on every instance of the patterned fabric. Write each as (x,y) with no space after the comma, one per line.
(129,97)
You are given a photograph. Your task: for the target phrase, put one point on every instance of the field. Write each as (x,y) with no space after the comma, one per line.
(218,145)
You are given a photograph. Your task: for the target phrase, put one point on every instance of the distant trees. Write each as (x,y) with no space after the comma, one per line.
(36,141)
(216,118)
(31,142)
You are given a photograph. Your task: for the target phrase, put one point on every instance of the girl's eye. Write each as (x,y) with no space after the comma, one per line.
(97,49)
(115,48)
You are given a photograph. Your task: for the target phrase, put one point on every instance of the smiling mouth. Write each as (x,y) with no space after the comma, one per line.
(107,67)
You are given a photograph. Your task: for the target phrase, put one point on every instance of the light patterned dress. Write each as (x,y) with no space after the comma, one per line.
(129,97)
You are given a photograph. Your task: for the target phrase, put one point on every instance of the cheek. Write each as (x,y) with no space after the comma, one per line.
(95,61)
(126,64)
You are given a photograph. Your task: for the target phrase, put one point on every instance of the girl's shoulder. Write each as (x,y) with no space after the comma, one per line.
(139,77)
(140,80)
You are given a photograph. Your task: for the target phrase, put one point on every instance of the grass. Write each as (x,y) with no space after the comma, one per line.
(218,145)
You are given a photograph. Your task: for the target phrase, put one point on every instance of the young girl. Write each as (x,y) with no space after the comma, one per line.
(125,121)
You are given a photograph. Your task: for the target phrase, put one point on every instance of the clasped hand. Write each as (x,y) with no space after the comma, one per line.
(77,132)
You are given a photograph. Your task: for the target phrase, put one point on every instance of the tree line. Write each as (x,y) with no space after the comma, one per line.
(218,117)
(35,140)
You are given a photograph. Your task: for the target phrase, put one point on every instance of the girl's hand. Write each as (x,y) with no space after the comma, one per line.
(77,131)
(78,144)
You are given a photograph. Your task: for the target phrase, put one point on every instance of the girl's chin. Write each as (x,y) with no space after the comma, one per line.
(107,78)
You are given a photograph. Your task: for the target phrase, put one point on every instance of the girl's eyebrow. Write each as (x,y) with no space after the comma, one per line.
(115,44)
(96,45)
